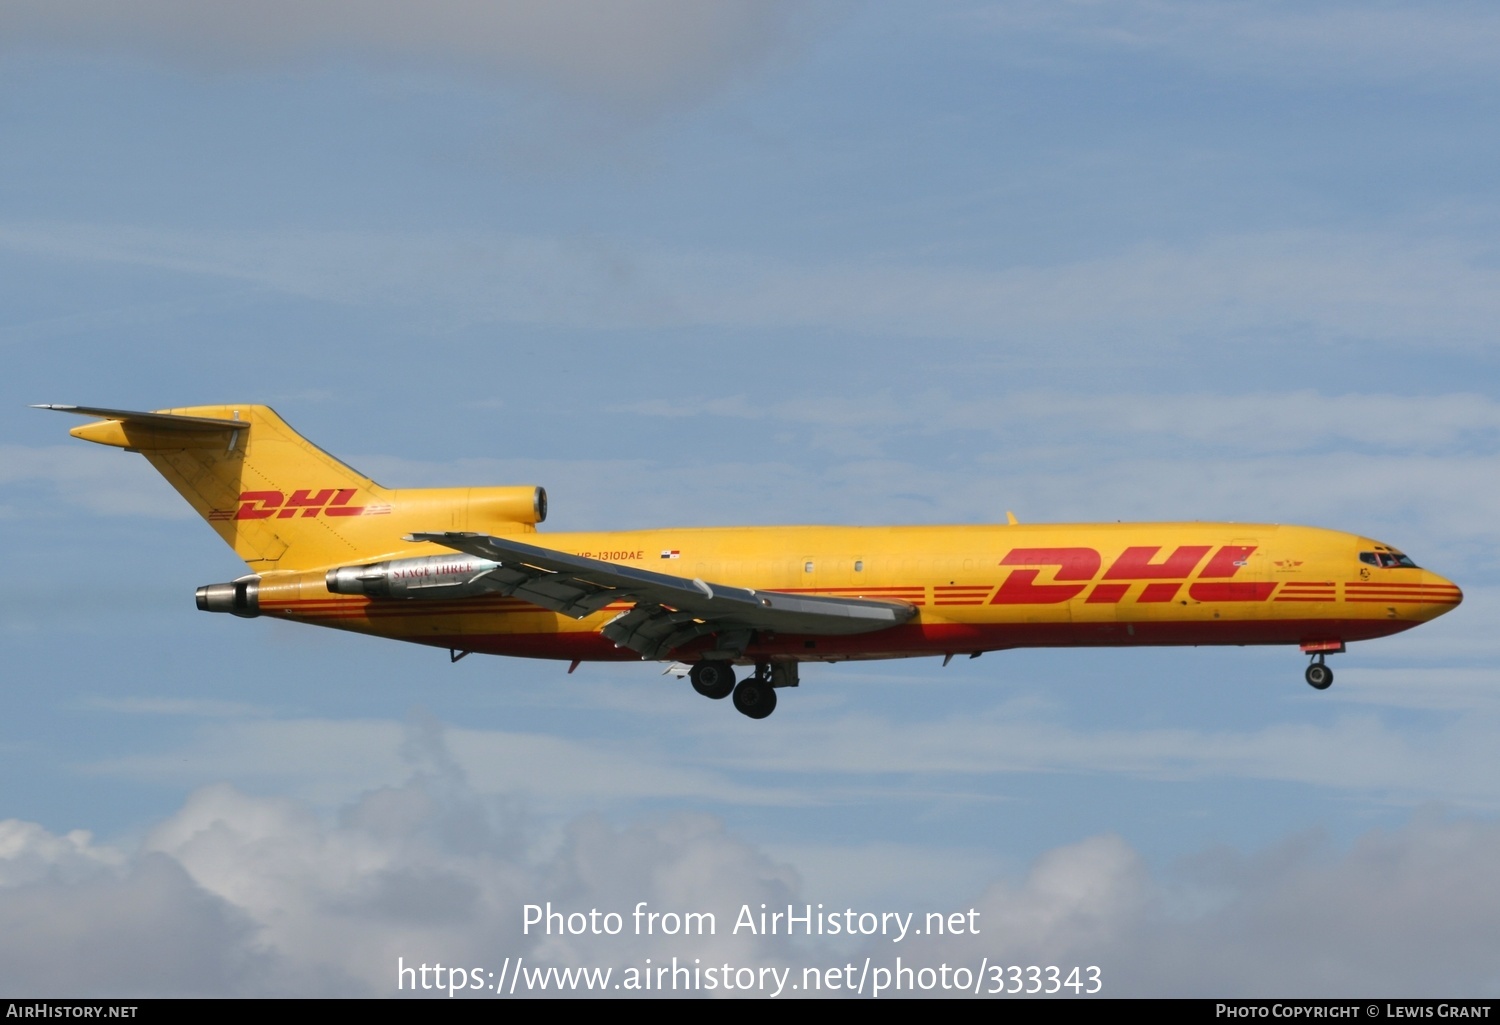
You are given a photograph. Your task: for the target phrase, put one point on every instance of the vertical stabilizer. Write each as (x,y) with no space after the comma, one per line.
(274,497)
(282,503)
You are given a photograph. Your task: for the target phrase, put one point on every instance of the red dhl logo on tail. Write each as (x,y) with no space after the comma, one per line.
(1134,565)
(263,505)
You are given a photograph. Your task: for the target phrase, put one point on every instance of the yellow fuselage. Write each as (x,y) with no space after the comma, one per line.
(293,513)
(975,588)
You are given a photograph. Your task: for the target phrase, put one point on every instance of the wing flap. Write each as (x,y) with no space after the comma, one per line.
(653,630)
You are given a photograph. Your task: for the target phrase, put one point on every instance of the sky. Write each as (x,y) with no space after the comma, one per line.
(734,263)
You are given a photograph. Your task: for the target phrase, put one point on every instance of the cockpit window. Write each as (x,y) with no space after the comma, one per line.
(1387,560)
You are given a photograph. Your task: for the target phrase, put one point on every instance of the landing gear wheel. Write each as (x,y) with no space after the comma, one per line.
(755,697)
(1319,676)
(712,679)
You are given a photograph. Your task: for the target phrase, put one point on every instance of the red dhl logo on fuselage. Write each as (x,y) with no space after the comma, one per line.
(263,505)
(1134,565)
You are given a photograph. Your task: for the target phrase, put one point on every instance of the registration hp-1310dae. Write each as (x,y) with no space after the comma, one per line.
(465,569)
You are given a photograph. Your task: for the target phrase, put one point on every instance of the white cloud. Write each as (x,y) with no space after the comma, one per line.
(1269,288)
(1451,689)
(639,48)
(111,483)
(1402,913)
(880,873)
(29,854)
(1361,743)
(1457,638)
(148,930)
(320,761)
(1373,41)
(1411,470)
(1433,493)
(261,896)
(1265,286)
(1358,753)
(238,895)
(1074,898)
(192,707)
(1297,419)
(330,761)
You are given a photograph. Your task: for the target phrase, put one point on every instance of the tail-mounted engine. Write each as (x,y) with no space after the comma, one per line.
(432,576)
(238,598)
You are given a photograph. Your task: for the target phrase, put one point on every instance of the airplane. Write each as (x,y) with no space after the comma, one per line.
(328,546)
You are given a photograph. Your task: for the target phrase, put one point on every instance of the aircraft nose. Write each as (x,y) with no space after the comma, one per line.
(1440,594)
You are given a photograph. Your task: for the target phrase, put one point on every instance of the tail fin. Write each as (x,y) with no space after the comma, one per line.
(283,503)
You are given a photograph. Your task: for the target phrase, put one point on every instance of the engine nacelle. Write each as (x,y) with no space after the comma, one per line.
(507,505)
(238,598)
(432,576)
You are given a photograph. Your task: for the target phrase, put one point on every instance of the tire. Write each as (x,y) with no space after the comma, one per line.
(1319,676)
(755,697)
(712,679)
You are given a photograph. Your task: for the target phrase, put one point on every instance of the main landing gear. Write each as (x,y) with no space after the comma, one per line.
(712,679)
(755,695)
(1319,676)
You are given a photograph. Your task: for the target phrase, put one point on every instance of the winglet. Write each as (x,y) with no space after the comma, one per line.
(1010,518)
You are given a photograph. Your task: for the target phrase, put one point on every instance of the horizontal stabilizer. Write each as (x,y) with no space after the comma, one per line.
(159,421)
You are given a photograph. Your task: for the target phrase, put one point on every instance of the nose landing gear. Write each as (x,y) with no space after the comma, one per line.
(1319,676)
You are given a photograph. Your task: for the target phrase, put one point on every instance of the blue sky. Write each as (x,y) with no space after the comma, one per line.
(735,263)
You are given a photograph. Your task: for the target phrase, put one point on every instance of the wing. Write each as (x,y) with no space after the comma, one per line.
(669,611)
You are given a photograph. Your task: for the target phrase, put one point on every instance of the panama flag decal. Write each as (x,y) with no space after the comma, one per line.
(671,553)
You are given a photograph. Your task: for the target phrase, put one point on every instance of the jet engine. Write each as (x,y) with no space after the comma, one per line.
(432,576)
(239,597)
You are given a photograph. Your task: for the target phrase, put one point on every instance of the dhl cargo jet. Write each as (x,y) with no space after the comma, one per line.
(327,545)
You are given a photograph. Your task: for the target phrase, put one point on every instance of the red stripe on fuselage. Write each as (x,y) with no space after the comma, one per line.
(924,639)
